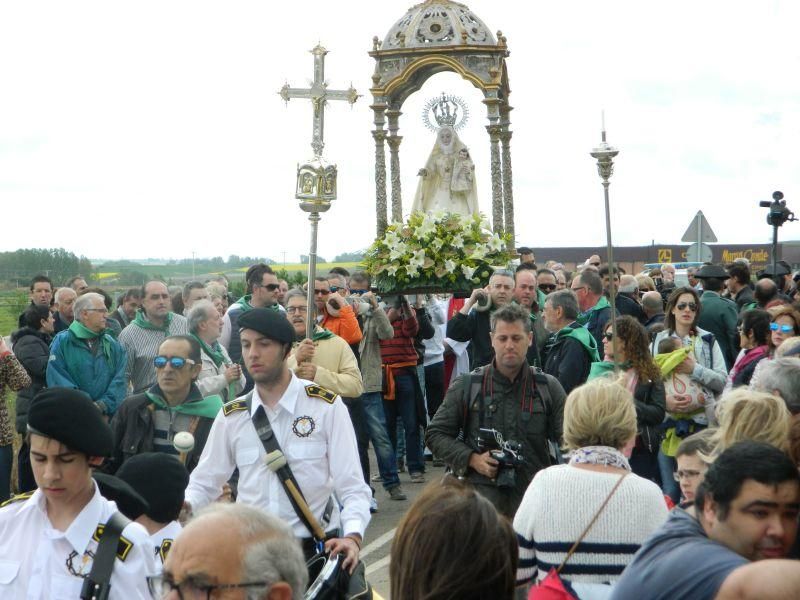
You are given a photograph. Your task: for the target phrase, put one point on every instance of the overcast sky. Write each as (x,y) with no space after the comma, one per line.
(154,129)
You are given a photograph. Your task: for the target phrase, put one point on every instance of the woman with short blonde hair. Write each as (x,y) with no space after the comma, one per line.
(748,415)
(561,501)
(601,414)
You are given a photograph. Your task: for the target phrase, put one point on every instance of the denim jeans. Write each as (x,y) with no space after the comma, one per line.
(356,410)
(375,421)
(667,466)
(405,406)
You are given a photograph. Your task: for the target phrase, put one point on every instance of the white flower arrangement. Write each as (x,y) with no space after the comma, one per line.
(436,251)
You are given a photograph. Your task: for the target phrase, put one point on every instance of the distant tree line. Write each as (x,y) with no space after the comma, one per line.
(58,264)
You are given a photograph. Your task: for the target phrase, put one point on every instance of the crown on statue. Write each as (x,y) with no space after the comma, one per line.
(447,110)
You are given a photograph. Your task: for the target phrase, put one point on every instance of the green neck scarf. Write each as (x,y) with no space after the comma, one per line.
(214,352)
(80,331)
(244,302)
(321,334)
(603,368)
(584,317)
(207,407)
(582,335)
(142,322)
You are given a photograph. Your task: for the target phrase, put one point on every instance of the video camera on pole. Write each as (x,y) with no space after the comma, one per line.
(778,214)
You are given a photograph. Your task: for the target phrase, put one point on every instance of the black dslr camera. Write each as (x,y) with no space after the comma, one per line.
(507,453)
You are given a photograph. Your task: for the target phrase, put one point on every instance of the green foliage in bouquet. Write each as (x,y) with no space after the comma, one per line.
(436,251)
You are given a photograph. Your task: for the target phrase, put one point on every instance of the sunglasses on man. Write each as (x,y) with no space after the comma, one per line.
(176,362)
(547,287)
(270,287)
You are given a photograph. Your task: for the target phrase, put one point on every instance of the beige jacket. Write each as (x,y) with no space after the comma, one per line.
(337,369)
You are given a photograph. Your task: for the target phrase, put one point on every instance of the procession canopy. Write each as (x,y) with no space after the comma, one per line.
(436,36)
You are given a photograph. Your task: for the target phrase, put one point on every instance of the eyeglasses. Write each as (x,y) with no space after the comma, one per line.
(296,309)
(688,475)
(101,310)
(609,335)
(323,292)
(336,288)
(782,328)
(161,588)
(547,287)
(270,287)
(176,362)
(690,305)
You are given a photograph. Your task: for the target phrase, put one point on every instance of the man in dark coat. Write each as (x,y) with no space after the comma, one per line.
(718,315)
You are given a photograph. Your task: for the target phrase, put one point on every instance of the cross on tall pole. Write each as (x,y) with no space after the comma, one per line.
(319,94)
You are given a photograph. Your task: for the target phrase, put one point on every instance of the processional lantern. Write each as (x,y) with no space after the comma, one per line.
(316,179)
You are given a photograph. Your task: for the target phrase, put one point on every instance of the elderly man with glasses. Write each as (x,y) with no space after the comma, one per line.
(148,422)
(86,356)
(229,550)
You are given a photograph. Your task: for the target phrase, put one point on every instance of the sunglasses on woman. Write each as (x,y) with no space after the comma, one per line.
(608,335)
(690,305)
(782,328)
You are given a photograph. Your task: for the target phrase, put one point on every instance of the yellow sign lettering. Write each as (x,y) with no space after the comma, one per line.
(664,255)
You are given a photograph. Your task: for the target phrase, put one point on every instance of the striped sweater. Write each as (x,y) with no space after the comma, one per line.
(559,504)
(142,347)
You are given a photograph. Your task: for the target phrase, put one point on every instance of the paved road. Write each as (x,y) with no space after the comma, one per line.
(380,532)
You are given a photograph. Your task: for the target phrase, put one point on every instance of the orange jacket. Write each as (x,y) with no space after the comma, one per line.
(345,325)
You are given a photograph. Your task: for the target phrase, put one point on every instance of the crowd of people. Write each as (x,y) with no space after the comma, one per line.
(645,450)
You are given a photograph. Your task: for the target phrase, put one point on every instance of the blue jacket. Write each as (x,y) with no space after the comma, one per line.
(105,383)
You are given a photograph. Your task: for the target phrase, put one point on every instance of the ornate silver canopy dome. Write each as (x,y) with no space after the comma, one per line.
(438,23)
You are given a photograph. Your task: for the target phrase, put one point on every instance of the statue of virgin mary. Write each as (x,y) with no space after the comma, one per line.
(447,181)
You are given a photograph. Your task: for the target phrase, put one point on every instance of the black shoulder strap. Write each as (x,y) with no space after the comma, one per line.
(97,585)
(542,384)
(285,475)
(471,389)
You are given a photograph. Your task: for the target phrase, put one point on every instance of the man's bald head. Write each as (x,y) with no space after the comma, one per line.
(235,543)
(652,304)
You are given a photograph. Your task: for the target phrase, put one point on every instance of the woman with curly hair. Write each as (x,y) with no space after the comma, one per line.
(643,379)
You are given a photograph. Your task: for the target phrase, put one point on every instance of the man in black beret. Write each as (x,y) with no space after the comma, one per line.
(161,480)
(49,538)
(313,429)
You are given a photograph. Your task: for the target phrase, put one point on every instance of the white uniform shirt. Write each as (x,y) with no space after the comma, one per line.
(38,562)
(162,542)
(318,441)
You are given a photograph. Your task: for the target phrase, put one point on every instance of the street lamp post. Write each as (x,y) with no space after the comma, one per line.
(605,153)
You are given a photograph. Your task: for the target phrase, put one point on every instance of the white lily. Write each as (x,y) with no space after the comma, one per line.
(479,252)
(418,260)
(458,241)
(495,243)
(411,270)
(427,227)
(392,269)
(468,271)
(439,215)
(437,244)
(399,250)
(449,265)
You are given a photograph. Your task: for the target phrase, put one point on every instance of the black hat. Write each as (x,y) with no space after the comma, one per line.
(128,501)
(768,271)
(524,250)
(161,479)
(711,272)
(269,323)
(70,417)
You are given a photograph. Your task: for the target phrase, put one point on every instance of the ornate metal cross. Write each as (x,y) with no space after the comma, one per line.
(319,94)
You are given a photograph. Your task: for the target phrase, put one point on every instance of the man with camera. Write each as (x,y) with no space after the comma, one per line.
(334,313)
(471,323)
(495,425)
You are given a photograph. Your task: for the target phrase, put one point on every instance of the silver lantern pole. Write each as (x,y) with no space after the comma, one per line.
(605,153)
(316,180)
